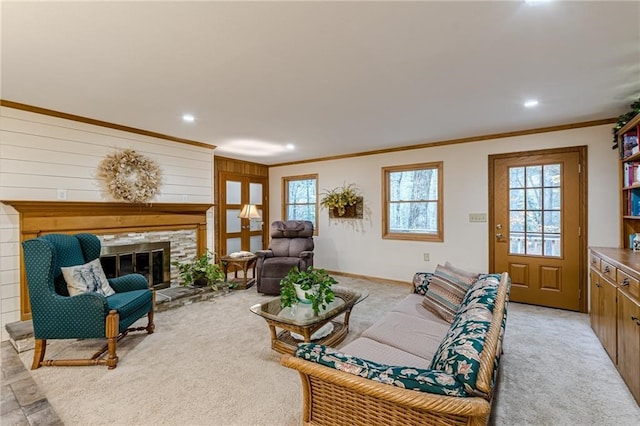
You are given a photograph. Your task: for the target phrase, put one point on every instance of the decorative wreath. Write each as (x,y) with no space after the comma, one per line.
(130,176)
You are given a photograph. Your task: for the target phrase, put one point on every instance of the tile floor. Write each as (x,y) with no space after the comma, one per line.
(21,402)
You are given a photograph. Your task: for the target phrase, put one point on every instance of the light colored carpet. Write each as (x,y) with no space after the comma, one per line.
(210,363)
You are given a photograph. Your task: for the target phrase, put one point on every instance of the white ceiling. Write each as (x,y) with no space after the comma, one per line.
(332,78)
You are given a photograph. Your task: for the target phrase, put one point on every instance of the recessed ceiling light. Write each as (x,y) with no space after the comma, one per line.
(531,103)
(188,118)
(290,146)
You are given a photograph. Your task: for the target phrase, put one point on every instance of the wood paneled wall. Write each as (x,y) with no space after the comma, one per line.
(40,154)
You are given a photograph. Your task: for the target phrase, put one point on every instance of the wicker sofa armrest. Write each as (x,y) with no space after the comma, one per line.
(334,397)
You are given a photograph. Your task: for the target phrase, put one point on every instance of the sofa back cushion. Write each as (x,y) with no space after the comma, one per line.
(447,287)
(461,351)
(421,282)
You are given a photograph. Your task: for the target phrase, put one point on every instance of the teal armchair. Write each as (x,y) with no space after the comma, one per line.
(56,315)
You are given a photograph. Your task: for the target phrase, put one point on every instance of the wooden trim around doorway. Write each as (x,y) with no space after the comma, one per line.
(581,211)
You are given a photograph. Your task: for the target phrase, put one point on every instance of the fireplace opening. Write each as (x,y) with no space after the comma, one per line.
(151,259)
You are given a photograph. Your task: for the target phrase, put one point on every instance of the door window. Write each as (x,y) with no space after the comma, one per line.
(535,210)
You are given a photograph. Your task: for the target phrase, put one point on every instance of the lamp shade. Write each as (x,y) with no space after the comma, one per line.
(249,211)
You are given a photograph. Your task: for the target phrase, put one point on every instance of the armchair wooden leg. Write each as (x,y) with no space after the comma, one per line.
(38,353)
(113,320)
(151,326)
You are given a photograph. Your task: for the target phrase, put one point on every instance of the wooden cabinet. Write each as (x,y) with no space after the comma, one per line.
(615,309)
(629,181)
(629,342)
(604,312)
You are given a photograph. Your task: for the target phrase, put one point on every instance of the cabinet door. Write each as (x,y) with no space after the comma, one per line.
(609,317)
(594,306)
(629,343)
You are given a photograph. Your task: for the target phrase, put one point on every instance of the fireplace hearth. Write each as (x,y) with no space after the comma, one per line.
(151,259)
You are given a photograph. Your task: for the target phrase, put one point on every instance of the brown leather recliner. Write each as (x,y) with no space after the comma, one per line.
(291,245)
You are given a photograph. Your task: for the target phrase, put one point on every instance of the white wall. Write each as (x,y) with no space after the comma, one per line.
(356,246)
(40,154)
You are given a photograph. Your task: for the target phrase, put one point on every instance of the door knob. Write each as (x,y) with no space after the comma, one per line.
(499,235)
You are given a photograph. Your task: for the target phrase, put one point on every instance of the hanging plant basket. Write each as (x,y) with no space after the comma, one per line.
(355,211)
(343,202)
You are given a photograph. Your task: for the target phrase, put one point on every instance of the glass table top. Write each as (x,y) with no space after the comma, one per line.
(302,314)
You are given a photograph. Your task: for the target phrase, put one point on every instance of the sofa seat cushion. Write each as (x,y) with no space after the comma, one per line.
(418,336)
(460,351)
(412,306)
(373,350)
(431,381)
(131,306)
(279,266)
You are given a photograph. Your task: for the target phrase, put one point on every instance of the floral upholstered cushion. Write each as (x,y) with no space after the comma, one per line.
(405,377)
(447,288)
(87,278)
(421,282)
(460,350)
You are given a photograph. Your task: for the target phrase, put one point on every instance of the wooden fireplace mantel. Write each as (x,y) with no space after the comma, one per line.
(71,217)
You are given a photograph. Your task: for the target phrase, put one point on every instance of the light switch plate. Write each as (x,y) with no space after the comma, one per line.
(477,217)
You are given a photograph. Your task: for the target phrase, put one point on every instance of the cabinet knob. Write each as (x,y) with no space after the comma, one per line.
(598,284)
(606,269)
(625,282)
(634,318)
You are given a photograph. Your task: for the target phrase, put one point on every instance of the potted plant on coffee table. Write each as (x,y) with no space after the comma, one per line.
(201,271)
(311,286)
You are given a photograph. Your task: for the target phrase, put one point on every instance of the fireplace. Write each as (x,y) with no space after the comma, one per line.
(151,259)
(113,218)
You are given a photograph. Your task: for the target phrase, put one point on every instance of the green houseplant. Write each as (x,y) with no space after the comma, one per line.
(315,288)
(201,271)
(339,198)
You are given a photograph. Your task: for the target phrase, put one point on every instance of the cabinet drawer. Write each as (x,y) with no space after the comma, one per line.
(595,262)
(608,270)
(630,283)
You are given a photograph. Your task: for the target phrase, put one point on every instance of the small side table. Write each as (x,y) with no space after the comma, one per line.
(243,264)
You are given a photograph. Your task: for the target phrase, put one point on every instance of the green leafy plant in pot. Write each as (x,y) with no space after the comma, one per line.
(201,271)
(314,288)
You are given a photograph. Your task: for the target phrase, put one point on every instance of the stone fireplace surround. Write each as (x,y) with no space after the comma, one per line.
(112,221)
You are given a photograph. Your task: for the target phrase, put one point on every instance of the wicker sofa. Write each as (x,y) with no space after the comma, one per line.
(411,367)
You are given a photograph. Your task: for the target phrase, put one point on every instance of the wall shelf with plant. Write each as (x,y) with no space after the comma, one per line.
(343,202)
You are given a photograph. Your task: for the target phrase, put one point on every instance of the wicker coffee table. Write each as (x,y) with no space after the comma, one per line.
(300,320)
